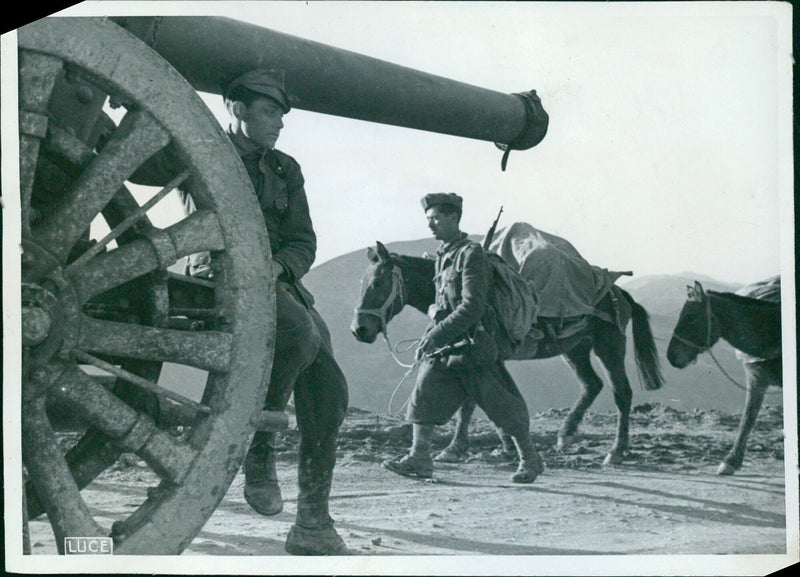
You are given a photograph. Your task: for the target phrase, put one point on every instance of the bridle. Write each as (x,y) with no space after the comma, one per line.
(382,312)
(708,343)
(707,346)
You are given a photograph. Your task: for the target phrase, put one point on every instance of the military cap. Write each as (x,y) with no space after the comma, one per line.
(435,198)
(264,81)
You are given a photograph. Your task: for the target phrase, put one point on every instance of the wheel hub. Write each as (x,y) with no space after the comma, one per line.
(36,324)
(50,314)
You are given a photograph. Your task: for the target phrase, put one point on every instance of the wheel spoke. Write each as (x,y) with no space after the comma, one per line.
(138,137)
(122,227)
(72,155)
(52,479)
(196,233)
(129,429)
(37,76)
(139,381)
(67,151)
(92,455)
(28,155)
(207,350)
(95,404)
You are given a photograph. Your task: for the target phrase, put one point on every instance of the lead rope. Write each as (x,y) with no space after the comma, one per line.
(392,349)
(709,314)
(723,371)
(411,368)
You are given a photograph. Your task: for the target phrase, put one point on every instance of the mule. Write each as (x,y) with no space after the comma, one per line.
(393,281)
(752,327)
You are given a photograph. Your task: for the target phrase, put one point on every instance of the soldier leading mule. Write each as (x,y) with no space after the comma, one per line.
(393,281)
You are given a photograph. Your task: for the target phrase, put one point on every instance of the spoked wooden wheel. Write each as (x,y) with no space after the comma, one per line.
(103,312)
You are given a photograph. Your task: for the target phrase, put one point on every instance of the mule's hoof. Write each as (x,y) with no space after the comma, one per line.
(524,477)
(451,455)
(565,443)
(612,459)
(725,469)
(528,469)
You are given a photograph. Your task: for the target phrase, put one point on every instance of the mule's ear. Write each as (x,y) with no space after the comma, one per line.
(372,255)
(695,293)
(383,254)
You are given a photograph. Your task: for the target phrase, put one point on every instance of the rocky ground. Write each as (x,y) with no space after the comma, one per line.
(665,499)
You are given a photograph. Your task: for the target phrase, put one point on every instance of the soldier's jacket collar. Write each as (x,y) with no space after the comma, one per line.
(245,146)
(266,157)
(453,244)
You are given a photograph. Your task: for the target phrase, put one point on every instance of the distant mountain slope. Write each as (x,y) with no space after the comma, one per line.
(373,375)
(665,294)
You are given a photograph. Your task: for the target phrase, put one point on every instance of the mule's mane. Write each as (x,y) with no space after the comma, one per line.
(416,262)
(418,274)
(744,301)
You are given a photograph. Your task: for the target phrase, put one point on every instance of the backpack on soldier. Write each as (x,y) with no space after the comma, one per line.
(513,299)
(512,296)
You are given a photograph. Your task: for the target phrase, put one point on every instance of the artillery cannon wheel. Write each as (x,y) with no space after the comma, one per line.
(111,302)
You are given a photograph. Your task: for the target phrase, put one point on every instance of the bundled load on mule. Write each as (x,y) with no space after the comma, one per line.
(768,290)
(542,286)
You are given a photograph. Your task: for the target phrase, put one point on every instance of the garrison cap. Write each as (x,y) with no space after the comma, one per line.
(435,198)
(264,81)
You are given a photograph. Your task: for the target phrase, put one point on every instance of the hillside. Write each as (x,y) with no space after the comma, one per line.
(373,375)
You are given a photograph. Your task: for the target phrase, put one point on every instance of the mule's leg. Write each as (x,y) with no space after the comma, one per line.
(508,450)
(757,383)
(578,359)
(456,451)
(610,348)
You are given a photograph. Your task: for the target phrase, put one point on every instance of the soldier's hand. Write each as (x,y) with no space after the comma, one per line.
(425,347)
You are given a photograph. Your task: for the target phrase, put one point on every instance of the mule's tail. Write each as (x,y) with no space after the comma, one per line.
(644,346)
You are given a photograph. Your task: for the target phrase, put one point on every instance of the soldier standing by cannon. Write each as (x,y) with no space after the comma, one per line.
(303,362)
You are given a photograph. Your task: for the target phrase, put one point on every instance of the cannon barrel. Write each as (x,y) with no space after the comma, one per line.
(211,51)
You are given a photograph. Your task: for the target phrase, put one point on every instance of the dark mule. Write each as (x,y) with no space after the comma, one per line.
(752,327)
(393,281)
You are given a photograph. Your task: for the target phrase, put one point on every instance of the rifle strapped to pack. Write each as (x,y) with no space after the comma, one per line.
(512,297)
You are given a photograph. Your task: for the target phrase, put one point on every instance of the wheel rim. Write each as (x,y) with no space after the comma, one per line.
(114,307)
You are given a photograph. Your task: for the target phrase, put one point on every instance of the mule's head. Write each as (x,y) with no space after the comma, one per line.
(696,330)
(381,295)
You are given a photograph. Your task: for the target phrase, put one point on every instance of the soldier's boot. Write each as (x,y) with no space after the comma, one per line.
(313,532)
(418,461)
(261,488)
(530,463)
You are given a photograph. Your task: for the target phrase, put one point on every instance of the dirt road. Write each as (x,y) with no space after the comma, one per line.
(664,500)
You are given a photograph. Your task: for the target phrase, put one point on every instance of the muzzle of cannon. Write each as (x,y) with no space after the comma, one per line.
(105,309)
(210,52)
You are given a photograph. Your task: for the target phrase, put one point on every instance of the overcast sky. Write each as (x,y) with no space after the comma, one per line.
(670,127)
